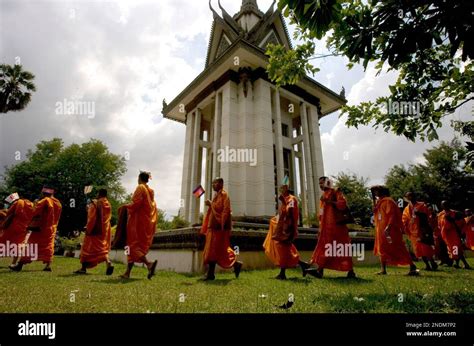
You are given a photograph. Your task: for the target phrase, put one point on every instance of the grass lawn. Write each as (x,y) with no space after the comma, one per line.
(446,291)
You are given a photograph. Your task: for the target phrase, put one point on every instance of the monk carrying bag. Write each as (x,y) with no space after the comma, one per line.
(120,238)
(284,231)
(8,221)
(426,232)
(342,217)
(38,219)
(97,229)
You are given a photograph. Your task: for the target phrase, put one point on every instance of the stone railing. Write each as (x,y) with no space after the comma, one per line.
(247,236)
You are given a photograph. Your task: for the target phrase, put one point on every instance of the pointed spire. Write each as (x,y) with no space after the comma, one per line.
(249,6)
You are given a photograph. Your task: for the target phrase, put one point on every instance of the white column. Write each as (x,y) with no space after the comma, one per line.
(301,168)
(227,130)
(263,133)
(187,166)
(293,170)
(195,165)
(316,150)
(307,159)
(216,137)
(278,139)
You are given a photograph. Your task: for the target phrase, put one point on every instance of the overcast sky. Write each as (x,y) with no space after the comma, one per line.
(126,56)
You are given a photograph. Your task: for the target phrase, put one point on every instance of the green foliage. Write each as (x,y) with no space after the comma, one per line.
(16,87)
(466,128)
(311,220)
(427,42)
(70,244)
(289,66)
(68,170)
(357,195)
(441,176)
(179,222)
(175,223)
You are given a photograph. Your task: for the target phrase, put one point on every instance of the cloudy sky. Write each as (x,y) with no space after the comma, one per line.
(126,56)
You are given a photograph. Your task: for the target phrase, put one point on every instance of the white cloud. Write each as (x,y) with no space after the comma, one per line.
(369,152)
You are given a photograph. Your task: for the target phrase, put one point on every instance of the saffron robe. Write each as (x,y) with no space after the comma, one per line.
(21,212)
(331,233)
(217,227)
(46,217)
(141,223)
(413,229)
(386,212)
(450,231)
(284,254)
(469,232)
(96,246)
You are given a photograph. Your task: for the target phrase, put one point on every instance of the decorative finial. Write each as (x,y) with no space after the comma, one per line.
(343,92)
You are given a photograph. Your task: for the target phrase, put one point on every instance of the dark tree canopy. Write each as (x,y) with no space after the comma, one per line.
(357,194)
(441,176)
(68,170)
(16,88)
(429,42)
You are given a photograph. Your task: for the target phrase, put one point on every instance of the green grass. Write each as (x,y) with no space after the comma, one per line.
(446,291)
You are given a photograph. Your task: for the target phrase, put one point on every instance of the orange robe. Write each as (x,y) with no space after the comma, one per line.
(96,246)
(283,254)
(141,223)
(469,232)
(411,223)
(331,233)
(22,211)
(3,214)
(449,232)
(47,213)
(216,227)
(386,212)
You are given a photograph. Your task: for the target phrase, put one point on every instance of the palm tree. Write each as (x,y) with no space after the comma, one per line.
(16,87)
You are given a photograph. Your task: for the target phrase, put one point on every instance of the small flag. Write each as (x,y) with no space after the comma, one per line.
(12,198)
(48,190)
(286,180)
(198,191)
(87,189)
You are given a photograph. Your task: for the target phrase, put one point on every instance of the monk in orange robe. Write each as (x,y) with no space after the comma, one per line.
(441,250)
(331,232)
(141,226)
(469,229)
(96,246)
(3,214)
(43,227)
(13,230)
(217,227)
(389,244)
(416,216)
(451,225)
(278,244)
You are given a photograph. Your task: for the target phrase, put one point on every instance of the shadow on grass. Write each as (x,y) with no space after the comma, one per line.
(305,281)
(216,282)
(346,281)
(22,271)
(72,275)
(118,281)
